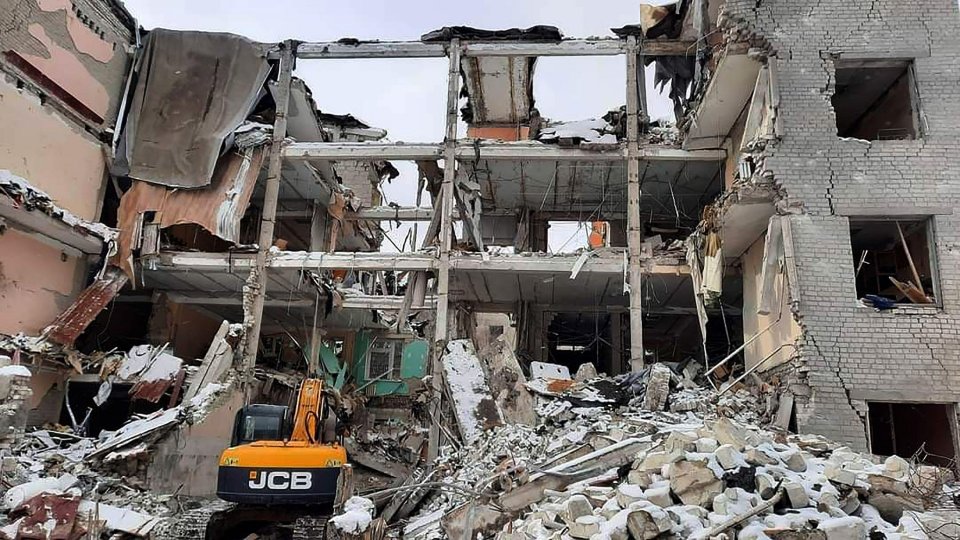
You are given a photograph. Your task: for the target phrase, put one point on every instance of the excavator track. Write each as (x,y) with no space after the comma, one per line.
(269,523)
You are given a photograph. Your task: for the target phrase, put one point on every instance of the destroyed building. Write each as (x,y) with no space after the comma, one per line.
(176,243)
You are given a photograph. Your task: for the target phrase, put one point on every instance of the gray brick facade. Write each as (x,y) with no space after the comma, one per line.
(854,354)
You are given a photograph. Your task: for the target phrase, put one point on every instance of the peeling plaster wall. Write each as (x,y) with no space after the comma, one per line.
(855,354)
(79,47)
(37,282)
(50,153)
(784,330)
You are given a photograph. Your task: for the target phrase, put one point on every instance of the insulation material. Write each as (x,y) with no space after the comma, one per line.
(696,279)
(772,257)
(712,269)
(193,90)
(218,208)
(473,402)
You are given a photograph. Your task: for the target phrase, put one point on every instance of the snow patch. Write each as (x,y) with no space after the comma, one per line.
(356,517)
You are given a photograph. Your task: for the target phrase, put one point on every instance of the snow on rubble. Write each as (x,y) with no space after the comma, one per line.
(605,466)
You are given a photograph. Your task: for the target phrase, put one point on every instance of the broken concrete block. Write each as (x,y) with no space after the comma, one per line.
(706,445)
(585,527)
(726,431)
(693,482)
(794,534)
(840,476)
(648,523)
(654,461)
(794,461)
(6,383)
(628,494)
(639,477)
(828,500)
(574,508)
(659,496)
(755,456)
(765,483)
(678,442)
(892,505)
(585,372)
(796,495)
(728,457)
(850,504)
(658,388)
(896,466)
(845,528)
(610,508)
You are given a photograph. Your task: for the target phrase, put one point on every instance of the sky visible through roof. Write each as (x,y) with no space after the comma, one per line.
(407,96)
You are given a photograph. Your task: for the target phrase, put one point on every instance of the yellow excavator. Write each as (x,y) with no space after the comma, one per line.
(276,458)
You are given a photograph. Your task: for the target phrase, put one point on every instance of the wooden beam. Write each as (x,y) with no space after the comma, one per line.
(668,47)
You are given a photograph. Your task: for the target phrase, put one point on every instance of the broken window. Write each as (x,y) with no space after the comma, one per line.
(876,100)
(921,430)
(893,260)
(384,358)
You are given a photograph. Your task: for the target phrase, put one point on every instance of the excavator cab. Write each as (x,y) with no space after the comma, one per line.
(278,459)
(260,422)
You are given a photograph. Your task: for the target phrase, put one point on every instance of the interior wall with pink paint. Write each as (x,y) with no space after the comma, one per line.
(51,154)
(37,282)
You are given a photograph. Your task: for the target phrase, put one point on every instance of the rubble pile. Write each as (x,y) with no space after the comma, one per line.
(685,463)
(61,484)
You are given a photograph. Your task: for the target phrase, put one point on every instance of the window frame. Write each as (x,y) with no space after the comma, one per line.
(844,61)
(929,222)
(396,347)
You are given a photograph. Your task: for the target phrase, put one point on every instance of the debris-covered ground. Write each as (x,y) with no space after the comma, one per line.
(695,466)
(60,484)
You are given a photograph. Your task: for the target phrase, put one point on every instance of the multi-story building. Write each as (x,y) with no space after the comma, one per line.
(795,224)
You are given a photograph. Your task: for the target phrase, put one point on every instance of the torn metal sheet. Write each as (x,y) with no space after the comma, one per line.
(68,326)
(218,208)
(193,90)
(49,515)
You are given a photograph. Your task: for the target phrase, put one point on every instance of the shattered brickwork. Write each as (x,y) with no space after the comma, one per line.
(853,353)
(14,393)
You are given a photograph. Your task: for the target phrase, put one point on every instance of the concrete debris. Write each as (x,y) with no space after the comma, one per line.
(694,474)
(473,402)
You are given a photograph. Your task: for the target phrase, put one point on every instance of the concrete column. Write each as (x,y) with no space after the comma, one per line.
(634,227)
(446,208)
(257,282)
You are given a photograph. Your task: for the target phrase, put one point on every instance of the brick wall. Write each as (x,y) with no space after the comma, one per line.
(853,353)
